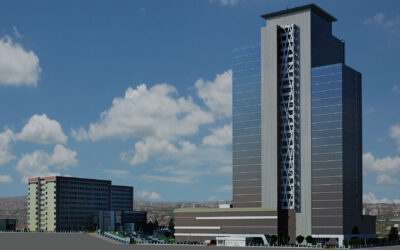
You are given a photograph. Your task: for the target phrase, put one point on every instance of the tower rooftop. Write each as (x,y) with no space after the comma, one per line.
(312,7)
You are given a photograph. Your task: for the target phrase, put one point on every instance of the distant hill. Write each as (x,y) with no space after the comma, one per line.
(14,208)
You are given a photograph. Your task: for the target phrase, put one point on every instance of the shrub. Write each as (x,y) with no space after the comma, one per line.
(356,242)
(346,243)
(393,236)
(273,239)
(284,239)
(299,239)
(309,239)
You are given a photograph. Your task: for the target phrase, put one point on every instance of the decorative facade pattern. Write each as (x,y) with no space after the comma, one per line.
(288,73)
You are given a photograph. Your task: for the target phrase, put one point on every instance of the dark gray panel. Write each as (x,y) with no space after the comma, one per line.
(327,196)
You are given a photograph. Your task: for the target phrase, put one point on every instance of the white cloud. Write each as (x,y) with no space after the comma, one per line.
(377,19)
(41,129)
(5,179)
(217,94)
(63,157)
(149,195)
(386,179)
(396,88)
(151,146)
(5,139)
(395,22)
(394,132)
(34,165)
(213,198)
(173,179)
(178,174)
(370,198)
(162,121)
(219,137)
(146,112)
(225,170)
(17,66)
(369,110)
(117,173)
(381,20)
(225,2)
(387,165)
(39,163)
(187,147)
(226,188)
(16,32)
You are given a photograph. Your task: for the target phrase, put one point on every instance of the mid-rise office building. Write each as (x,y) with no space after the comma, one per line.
(60,203)
(297,136)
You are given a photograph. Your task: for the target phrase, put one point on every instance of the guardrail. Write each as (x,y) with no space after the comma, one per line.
(117,238)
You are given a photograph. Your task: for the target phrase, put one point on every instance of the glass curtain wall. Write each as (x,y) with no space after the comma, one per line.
(246,91)
(327,149)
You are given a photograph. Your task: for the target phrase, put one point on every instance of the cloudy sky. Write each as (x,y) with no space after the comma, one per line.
(139,92)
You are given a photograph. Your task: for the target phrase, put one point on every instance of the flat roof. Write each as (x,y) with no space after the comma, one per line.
(53,178)
(312,7)
(213,210)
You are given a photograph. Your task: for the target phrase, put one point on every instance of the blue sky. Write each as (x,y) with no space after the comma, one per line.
(139,91)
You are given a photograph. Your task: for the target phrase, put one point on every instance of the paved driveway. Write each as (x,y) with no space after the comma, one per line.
(58,241)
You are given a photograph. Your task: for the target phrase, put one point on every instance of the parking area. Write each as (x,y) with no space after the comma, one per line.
(77,241)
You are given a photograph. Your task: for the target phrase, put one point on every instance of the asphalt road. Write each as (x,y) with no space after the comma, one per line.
(58,241)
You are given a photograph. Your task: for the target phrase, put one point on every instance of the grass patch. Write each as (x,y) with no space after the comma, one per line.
(119,235)
(167,239)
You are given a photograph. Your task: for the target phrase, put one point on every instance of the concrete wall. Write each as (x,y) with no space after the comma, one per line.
(200,225)
(269,116)
(32,206)
(51,205)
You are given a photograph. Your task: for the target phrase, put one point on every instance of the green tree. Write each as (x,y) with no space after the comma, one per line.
(299,239)
(346,243)
(156,226)
(273,239)
(284,239)
(393,236)
(309,239)
(171,224)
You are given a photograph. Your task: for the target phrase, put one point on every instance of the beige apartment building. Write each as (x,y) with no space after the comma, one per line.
(42,204)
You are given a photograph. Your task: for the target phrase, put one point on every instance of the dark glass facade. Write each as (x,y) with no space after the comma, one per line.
(121,198)
(78,199)
(336,148)
(246,94)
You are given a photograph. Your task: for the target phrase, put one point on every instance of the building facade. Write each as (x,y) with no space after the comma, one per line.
(297,129)
(60,203)
(8,224)
(121,198)
(246,129)
(121,221)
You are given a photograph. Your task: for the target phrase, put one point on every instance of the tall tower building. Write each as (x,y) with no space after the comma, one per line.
(297,141)
(297,130)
